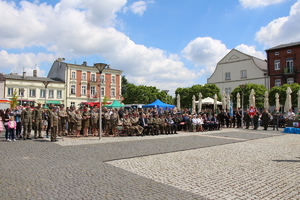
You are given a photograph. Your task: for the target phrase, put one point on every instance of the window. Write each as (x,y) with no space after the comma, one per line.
(276,53)
(73,75)
(72,104)
(51,93)
(59,94)
(277,82)
(289,51)
(10,91)
(244,74)
(84,76)
(227,91)
(93,91)
(277,64)
(32,92)
(113,92)
(289,63)
(72,89)
(93,77)
(83,90)
(102,92)
(113,79)
(21,91)
(42,93)
(227,76)
(290,81)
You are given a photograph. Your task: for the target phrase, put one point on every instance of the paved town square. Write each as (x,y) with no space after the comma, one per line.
(226,164)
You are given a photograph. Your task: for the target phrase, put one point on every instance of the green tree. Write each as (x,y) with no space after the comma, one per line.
(186,94)
(124,85)
(14,99)
(295,87)
(259,95)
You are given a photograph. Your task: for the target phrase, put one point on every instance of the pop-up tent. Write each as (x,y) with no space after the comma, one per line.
(157,104)
(115,104)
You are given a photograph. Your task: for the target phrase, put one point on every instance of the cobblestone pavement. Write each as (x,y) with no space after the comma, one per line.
(227,164)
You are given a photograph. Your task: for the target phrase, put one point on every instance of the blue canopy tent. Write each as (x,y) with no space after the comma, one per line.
(158,104)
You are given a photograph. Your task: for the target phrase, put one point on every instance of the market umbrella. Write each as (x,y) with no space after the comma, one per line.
(277,104)
(288,100)
(228,102)
(178,102)
(224,100)
(193,103)
(266,102)
(252,98)
(200,103)
(215,101)
(238,99)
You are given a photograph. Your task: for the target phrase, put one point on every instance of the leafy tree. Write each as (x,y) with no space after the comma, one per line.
(14,99)
(105,99)
(295,87)
(124,85)
(259,94)
(186,94)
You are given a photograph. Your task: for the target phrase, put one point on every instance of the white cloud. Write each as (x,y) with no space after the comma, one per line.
(281,30)
(205,51)
(75,29)
(250,50)
(28,61)
(258,3)
(138,7)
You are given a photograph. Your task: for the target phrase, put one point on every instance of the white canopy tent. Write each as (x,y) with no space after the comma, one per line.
(209,101)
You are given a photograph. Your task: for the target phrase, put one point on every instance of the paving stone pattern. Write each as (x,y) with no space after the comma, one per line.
(151,167)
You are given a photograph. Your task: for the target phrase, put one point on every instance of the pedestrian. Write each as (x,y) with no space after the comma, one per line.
(1,120)
(54,118)
(265,119)
(12,125)
(275,115)
(5,122)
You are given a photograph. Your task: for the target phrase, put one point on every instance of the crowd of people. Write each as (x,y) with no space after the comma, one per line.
(19,123)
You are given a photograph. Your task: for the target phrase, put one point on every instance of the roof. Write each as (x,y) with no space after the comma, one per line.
(87,66)
(31,78)
(262,64)
(284,45)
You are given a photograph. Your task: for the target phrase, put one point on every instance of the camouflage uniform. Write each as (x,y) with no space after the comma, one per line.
(26,117)
(38,120)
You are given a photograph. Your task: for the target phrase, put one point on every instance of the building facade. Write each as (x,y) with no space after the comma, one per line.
(284,64)
(238,68)
(82,82)
(33,88)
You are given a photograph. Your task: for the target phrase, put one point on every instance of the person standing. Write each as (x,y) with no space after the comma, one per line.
(12,125)
(239,118)
(265,119)
(63,115)
(54,118)
(26,118)
(71,121)
(247,119)
(95,122)
(49,111)
(38,120)
(275,115)
(78,117)
(255,120)
(86,115)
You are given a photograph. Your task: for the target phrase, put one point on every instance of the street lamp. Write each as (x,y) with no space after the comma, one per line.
(100,67)
(46,83)
(22,94)
(243,88)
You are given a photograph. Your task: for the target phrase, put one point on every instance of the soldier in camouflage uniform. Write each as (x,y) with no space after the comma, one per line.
(152,127)
(71,121)
(126,125)
(54,118)
(63,115)
(95,122)
(38,120)
(135,125)
(26,118)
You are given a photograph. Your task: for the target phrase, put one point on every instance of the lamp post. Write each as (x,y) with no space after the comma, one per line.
(100,67)
(243,88)
(22,92)
(46,83)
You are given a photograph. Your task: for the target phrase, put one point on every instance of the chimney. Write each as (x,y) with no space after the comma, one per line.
(108,66)
(24,74)
(84,63)
(35,73)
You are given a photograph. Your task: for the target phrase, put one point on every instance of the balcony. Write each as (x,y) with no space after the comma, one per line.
(288,70)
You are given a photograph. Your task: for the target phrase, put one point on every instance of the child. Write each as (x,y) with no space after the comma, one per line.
(12,124)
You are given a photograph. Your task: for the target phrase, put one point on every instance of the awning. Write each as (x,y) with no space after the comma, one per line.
(54,102)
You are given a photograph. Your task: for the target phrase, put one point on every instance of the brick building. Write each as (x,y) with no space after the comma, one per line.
(82,82)
(284,64)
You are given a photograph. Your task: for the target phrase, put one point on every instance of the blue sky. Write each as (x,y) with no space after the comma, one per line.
(165,43)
